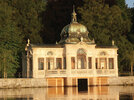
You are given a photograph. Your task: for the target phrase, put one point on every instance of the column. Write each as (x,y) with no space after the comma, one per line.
(54,62)
(87,62)
(75,62)
(35,66)
(62,61)
(116,64)
(93,62)
(62,81)
(28,65)
(45,65)
(56,84)
(107,63)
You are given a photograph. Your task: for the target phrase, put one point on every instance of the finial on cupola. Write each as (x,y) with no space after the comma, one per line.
(74,18)
(56,42)
(28,42)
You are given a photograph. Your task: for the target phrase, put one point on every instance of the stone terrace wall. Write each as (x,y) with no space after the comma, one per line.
(128,80)
(41,82)
(22,83)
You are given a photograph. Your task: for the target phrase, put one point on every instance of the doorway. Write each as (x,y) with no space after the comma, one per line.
(82,85)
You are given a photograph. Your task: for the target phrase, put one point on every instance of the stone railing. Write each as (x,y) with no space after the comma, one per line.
(93,72)
(105,71)
(82,71)
(56,72)
(79,72)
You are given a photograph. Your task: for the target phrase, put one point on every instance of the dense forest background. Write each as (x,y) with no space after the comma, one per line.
(41,21)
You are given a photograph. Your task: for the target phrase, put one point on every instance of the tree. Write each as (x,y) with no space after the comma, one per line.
(119,3)
(130,57)
(131,33)
(20,20)
(105,24)
(10,41)
(28,17)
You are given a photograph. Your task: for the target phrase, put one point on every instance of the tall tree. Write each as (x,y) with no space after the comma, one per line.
(130,57)
(20,20)
(10,41)
(121,4)
(105,24)
(28,17)
(131,33)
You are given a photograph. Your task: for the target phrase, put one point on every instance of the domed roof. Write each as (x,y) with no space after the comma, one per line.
(74,27)
(73,32)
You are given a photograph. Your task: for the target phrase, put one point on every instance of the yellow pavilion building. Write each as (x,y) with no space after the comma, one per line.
(74,61)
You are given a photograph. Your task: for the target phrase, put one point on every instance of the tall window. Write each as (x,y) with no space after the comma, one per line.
(40,63)
(111,63)
(58,63)
(81,59)
(50,63)
(73,62)
(64,62)
(103,63)
(96,63)
(89,62)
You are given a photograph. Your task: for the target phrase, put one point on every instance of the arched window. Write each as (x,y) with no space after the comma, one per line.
(81,59)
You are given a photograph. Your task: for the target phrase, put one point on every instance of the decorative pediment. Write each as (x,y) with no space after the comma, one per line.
(49,53)
(81,51)
(102,53)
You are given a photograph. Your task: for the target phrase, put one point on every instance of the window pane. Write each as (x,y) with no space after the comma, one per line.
(96,63)
(64,62)
(50,63)
(111,63)
(40,63)
(103,63)
(89,62)
(81,59)
(58,63)
(73,62)
(81,62)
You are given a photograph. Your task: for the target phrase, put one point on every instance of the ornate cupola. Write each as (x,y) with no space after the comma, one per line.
(74,32)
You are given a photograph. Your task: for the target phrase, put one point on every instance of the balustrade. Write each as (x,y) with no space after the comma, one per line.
(55,72)
(92,72)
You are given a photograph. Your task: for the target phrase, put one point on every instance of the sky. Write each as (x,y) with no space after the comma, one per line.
(130,3)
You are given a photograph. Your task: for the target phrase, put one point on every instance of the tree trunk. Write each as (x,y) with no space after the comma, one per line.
(5,73)
(131,68)
(4,67)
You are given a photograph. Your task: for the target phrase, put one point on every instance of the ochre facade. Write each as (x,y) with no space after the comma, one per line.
(74,59)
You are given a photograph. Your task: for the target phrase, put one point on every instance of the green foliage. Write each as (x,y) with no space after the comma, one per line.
(121,3)
(130,57)
(10,42)
(20,20)
(131,33)
(105,24)
(28,17)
